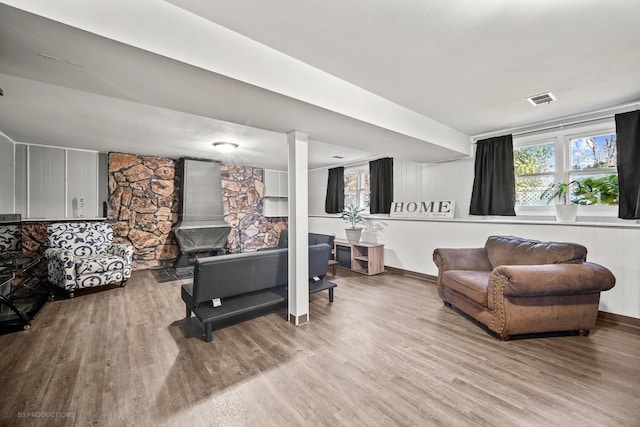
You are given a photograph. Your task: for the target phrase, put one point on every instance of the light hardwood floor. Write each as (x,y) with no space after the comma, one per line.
(386,352)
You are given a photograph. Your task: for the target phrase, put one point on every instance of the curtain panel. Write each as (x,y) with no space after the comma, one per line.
(628,146)
(334,202)
(381,185)
(494,183)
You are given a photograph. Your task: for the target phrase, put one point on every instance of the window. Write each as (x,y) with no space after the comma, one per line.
(356,187)
(586,155)
(593,165)
(535,169)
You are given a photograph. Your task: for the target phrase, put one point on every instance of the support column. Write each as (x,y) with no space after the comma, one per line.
(298,147)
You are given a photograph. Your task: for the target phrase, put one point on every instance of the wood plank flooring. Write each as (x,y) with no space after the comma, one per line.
(385,353)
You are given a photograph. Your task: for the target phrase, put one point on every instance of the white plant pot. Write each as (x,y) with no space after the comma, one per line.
(566,213)
(353,234)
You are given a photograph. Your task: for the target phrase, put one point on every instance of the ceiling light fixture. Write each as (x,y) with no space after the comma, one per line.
(225,147)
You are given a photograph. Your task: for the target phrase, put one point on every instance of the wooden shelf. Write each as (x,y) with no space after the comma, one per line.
(365,257)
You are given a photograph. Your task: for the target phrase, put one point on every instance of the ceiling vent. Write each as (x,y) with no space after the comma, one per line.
(543,98)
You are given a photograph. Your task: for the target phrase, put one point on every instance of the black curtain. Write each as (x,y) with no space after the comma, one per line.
(381,185)
(334,202)
(628,146)
(494,184)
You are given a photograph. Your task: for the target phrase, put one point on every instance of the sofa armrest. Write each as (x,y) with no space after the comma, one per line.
(126,252)
(61,268)
(458,259)
(461,259)
(549,280)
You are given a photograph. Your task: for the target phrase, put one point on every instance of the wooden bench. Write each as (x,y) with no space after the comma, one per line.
(248,283)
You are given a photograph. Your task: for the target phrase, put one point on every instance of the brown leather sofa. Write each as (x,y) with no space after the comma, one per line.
(518,286)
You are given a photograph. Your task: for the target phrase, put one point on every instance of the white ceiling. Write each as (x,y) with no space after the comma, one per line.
(467,65)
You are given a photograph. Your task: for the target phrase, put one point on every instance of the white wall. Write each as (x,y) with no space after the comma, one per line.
(409,244)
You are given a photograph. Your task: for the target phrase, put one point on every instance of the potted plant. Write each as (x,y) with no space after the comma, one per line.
(353,215)
(566,210)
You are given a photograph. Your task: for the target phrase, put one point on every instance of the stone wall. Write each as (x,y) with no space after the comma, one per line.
(243,191)
(143,206)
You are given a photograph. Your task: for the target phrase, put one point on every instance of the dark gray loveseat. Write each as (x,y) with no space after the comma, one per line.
(248,284)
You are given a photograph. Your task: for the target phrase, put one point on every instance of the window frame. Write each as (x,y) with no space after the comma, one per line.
(360,191)
(562,137)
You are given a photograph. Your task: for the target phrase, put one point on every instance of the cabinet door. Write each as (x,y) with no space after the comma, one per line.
(284,184)
(82,184)
(271,183)
(46,177)
(275,207)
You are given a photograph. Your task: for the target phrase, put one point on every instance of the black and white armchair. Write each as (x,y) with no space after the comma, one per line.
(83,255)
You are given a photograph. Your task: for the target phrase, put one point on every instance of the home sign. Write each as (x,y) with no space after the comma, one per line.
(429,209)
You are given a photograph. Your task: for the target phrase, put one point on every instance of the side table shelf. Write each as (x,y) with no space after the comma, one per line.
(361,257)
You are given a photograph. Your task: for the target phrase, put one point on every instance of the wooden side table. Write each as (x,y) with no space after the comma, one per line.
(366,258)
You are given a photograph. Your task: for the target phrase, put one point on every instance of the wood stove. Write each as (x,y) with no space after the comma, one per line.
(201,226)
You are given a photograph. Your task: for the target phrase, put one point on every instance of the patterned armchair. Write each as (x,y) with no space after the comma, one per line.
(82,255)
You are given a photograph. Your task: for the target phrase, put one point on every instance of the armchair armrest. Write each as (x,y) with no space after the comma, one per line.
(61,269)
(461,259)
(126,252)
(549,279)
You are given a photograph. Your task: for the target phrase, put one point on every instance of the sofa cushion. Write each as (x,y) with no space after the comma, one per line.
(510,250)
(470,283)
(98,264)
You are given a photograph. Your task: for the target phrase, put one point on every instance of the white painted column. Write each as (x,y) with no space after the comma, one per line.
(298,145)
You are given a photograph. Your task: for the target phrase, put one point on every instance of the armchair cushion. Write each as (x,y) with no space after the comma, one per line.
(99,264)
(83,239)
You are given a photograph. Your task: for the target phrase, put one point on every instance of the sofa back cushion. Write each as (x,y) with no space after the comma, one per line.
(81,238)
(314,239)
(511,250)
(228,275)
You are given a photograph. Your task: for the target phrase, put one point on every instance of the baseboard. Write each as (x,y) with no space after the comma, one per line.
(619,319)
(409,273)
(298,320)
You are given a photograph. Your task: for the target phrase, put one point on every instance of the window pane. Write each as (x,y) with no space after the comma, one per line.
(366,202)
(351,181)
(350,199)
(596,189)
(532,159)
(528,190)
(594,152)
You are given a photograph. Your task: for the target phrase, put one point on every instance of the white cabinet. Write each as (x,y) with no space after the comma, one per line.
(275,207)
(55,183)
(275,184)
(276,189)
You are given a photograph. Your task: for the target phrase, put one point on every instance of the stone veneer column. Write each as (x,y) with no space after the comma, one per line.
(243,191)
(143,206)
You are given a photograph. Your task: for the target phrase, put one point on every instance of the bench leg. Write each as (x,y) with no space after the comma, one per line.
(207,332)
(188,312)
(331,295)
